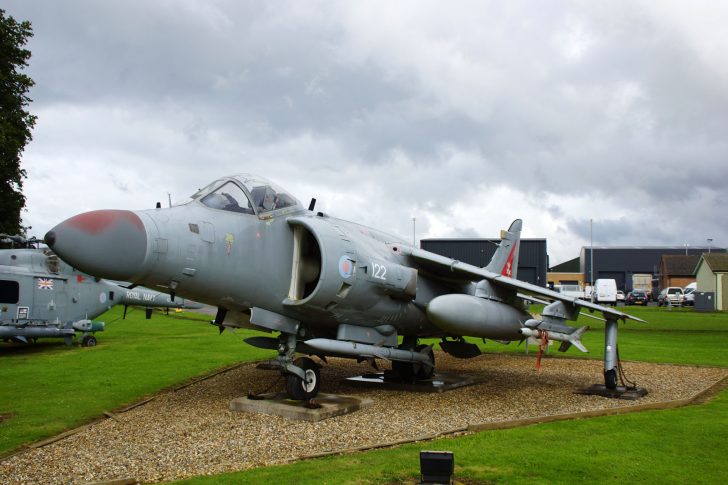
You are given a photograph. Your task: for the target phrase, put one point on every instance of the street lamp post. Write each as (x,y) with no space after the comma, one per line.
(591,256)
(710,241)
(414,240)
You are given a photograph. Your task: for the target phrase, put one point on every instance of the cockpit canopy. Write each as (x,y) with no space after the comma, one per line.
(247,194)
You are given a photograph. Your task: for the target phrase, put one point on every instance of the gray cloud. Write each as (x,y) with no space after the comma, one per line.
(615,112)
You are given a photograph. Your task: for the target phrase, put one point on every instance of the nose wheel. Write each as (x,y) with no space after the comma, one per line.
(306,389)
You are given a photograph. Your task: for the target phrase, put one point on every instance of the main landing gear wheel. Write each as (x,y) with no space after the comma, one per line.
(415,371)
(610,379)
(308,389)
(88,341)
(404,370)
(423,371)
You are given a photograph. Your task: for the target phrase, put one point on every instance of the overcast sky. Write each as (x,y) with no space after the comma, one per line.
(464,115)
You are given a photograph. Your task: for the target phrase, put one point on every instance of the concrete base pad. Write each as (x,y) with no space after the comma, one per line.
(440,382)
(621,392)
(278,404)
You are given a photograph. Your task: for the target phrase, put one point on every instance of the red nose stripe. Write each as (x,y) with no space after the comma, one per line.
(96,222)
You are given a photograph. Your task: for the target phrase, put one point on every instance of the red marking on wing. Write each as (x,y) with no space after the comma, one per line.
(80,278)
(96,222)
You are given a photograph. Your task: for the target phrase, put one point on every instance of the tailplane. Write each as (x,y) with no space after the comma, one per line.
(505,259)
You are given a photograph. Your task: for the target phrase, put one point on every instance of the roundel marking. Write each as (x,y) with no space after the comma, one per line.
(346,267)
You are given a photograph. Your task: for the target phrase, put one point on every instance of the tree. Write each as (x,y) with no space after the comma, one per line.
(15,121)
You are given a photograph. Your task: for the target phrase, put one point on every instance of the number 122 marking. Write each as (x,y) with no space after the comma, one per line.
(380,271)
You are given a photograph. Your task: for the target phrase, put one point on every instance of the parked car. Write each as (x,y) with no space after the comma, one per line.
(637,297)
(620,296)
(672,295)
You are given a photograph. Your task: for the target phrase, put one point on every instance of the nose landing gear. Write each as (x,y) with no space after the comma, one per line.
(308,388)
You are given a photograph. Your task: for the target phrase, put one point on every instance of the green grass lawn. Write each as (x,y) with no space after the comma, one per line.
(50,387)
(677,446)
(685,445)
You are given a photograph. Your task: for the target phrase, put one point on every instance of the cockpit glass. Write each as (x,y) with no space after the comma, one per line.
(230,198)
(266,195)
(205,189)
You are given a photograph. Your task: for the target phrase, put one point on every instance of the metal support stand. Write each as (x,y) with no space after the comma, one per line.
(610,354)
(612,370)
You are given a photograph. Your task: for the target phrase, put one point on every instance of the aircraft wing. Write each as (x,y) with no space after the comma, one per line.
(452,269)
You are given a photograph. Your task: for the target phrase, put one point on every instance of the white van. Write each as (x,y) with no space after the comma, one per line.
(605,292)
(689,294)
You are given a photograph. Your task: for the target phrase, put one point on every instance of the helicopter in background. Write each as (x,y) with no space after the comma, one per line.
(43,297)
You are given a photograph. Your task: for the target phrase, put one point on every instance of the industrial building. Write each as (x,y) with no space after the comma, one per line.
(621,263)
(566,273)
(532,259)
(618,263)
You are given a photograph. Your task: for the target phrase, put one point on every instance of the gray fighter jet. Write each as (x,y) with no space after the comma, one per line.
(326,286)
(42,297)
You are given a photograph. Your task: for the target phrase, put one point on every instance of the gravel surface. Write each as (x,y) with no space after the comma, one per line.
(192,431)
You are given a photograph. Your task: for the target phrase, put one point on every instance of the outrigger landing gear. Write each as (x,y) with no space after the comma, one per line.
(612,371)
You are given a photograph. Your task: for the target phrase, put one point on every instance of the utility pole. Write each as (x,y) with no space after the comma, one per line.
(591,257)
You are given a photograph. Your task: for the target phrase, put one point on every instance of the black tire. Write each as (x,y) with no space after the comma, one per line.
(404,370)
(423,372)
(297,388)
(88,341)
(610,379)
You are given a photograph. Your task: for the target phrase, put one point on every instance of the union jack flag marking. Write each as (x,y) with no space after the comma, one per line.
(45,284)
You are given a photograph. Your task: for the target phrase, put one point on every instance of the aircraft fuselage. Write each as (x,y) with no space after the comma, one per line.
(346,273)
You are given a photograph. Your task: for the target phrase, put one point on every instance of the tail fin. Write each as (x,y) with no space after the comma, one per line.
(505,259)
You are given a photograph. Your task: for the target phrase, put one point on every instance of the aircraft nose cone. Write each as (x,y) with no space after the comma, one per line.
(106,243)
